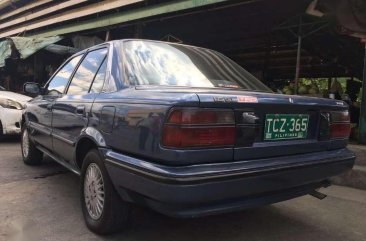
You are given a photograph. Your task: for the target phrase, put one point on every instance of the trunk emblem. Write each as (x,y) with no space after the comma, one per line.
(291,100)
(247,99)
(224,99)
(239,99)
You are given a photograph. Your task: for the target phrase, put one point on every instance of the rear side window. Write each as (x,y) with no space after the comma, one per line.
(99,78)
(86,72)
(59,82)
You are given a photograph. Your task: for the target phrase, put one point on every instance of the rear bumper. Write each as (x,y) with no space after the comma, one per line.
(215,188)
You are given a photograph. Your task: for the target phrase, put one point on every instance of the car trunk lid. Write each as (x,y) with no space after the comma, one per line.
(253,110)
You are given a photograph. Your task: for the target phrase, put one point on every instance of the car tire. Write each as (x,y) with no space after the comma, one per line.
(1,131)
(31,155)
(96,187)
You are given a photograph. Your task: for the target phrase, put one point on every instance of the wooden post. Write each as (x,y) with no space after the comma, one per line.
(298,58)
(329,83)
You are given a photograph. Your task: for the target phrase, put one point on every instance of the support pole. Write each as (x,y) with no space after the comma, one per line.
(362,125)
(138,30)
(265,74)
(329,84)
(107,36)
(298,58)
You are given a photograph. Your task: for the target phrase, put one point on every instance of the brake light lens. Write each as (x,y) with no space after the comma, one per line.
(340,126)
(339,130)
(195,127)
(180,137)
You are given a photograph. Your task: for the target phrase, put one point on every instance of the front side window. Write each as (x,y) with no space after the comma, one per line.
(59,82)
(86,72)
(158,63)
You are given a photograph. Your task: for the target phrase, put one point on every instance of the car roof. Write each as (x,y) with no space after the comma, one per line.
(126,40)
(150,40)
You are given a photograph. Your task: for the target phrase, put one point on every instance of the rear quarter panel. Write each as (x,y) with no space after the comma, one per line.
(137,126)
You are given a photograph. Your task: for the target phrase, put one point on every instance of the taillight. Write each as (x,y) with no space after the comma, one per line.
(195,127)
(340,126)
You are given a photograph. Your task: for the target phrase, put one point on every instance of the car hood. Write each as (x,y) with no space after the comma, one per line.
(14,96)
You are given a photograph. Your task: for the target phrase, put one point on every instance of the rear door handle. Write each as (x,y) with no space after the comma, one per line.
(80,110)
(49,107)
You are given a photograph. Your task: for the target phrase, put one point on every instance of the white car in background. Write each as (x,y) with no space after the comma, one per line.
(11,106)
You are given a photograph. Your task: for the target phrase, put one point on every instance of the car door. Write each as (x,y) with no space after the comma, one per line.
(40,109)
(71,111)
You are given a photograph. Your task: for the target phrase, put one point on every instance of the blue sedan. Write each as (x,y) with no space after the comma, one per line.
(180,129)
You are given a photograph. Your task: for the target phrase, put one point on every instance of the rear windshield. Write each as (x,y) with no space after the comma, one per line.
(157,63)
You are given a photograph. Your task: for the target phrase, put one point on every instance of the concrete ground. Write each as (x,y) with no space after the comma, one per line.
(356,177)
(42,203)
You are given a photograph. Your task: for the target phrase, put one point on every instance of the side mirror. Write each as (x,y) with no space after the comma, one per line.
(32,88)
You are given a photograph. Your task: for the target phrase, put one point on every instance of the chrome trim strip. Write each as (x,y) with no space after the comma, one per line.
(60,161)
(222,170)
(40,128)
(43,130)
(67,141)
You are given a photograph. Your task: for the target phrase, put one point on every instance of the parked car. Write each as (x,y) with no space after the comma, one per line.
(11,106)
(182,130)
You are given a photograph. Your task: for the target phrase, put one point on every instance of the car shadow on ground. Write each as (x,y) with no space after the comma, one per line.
(266,223)
(10,139)
(275,222)
(57,214)
(13,169)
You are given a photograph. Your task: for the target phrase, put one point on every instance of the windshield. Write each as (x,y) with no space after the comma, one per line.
(158,63)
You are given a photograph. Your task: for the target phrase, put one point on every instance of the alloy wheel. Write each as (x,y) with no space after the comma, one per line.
(94,191)
(25,143)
